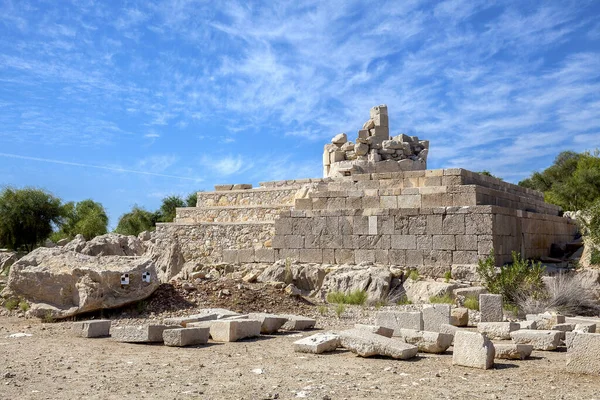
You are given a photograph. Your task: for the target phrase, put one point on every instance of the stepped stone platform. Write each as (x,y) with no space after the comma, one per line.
(430,219)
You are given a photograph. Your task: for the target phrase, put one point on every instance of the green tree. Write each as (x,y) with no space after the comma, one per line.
(86,217)
(136,221)
(166,212)
(572,182)
(27,217)
(192,199)
(488,173)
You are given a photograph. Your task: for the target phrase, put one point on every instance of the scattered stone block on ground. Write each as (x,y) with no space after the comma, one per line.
(512,351)
(583,353)
(207,314)
(234,330)
(270,323)
(449,329)
(297,323)
(490,306)
(527,324)
(367,344)
(472,291)
(472,349)
(586,321)
(317,343)
(585,327)
(380,330)
(497,330)
(92,329)
(539,339)
(400,319)
(181,337)
(427,342)
(459,316)
(434,315)
(564,327)
(546,320)
(139,333)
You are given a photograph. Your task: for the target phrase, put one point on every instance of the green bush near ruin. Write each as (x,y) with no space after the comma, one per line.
(357,297)
(442,299)
(472,303)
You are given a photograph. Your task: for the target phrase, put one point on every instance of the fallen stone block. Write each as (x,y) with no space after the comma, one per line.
(546,320)
(208,314)
(490,307)
(539,339)
(497,330)
(400,319)
(585,327)
(459,316)
(92,329)
(472,349)
(427,342)
(583,353)
(234,330)
(139,333)
(585,320)
(318,343)
(564,327)
(473,291)
(434,315)
(527,325)
(297,323)
(367,344)
(380,330)
(181,337)
(450,330)
(512,351)
(270,323)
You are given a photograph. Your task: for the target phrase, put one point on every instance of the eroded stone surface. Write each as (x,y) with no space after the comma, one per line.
(539,339)
(380,330)
(583,352)
(497,330)
(234,330)
(400,319)
(181,337)
(472,349)
(317,343)
(92,329)
(367,344)
(427,342)
(513,351)
(139,333)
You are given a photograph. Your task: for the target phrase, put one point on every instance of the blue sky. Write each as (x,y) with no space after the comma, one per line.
(128,102)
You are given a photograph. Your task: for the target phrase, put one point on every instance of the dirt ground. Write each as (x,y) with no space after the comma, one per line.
(52,364)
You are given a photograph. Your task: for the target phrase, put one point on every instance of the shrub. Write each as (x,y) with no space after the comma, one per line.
(472,303)
(595,257)
(516,280)
(339,310)
(358,297)
(11,304)
(379,304)
(441,299)
(403,300)
(564,295)
(322,310)
(23,305)
(447,276)
(414,275)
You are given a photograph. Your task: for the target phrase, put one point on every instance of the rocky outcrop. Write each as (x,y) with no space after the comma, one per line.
(348,278)
(421,291)
(62,283)
(7,258)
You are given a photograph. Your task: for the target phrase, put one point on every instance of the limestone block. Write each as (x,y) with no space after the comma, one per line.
(367,344)
(459,316)
(91,329)
(472,291)
(473,350)
(264,255)
(223,188)
(539,339)
(400,319)
(234,330)
(422,291)
(339,139)
(317,343)
(564,327)
(527,325)
(139,333)
(370,124)
(380,133)
(490,306)
(297,323)
(364,133)
(378,110)
(583,353)
(337,156)
(434,315)
(585,327)
(404,242)
(512,351)
(465,272)
(246,256)
(444,242)
(361,149)
(380,330)
(270,323)
(546,320)
(449,329)
(381,120)
(497,330)
(181,337)
(326,159)
(242,186)
(427,342)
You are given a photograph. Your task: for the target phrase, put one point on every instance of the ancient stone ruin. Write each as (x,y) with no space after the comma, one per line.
(405,216)
(374,150)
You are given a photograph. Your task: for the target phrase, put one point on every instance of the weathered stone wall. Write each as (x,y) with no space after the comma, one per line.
(258,196)
(191,215)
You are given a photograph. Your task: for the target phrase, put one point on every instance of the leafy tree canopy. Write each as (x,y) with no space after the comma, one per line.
(166,212)
(136,221)
(86,217)
(27,217)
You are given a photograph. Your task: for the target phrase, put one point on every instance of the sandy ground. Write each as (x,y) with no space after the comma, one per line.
(51,364)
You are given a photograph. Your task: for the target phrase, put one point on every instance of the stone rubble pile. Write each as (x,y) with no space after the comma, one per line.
(374,146)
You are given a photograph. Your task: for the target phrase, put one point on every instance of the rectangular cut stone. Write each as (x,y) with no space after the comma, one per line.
(459,316)
(234,330)
(565,327)
(270,323)
(139,333)
(512,351)
(92,329)
(297,323)
(539,339)
(427,342)
(368,344)
(434,315)
(449,329)
(318,343)
(207,314)
(490,306)
(373,225)
(497,330)
(400,319)
(181,337)
(472,349)
(546,321)
(380,330)
(585,328)
(527,325)
(583,353)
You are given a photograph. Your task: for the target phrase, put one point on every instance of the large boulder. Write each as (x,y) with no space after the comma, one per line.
(306,277)
(61,283)
(7,258)
(113,244)
(348,278)
(421,291)
(167,256)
